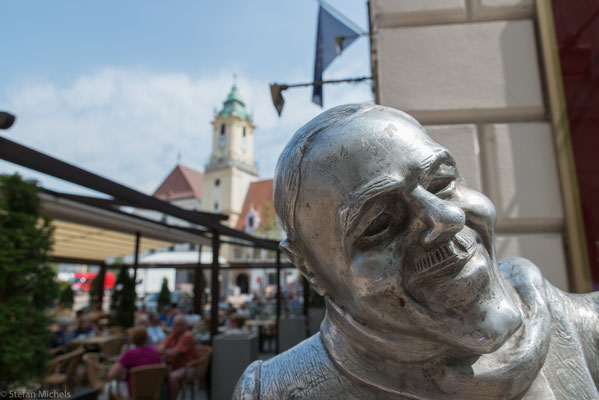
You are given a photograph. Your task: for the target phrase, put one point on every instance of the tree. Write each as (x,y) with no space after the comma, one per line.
(66,294)
(122,304)
(164,297)
(27,282)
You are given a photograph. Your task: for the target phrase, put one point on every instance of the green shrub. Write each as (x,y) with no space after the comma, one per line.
(122,304)
(27,282)
(66,293)
(164,297)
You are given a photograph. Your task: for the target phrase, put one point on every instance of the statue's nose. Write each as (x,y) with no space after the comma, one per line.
(441,218)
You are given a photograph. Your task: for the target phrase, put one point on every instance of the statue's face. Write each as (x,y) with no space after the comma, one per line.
(397,239)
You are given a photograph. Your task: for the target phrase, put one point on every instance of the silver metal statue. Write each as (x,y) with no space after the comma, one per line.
(380,221)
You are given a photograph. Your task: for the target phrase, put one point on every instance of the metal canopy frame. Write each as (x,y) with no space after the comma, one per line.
(123,195)
(29,158)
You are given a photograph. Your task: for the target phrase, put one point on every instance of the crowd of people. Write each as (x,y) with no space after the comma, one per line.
(68,325)
(167,336)
(156,338)
(177,349)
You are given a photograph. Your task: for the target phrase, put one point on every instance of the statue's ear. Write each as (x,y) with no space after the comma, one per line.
(291,249)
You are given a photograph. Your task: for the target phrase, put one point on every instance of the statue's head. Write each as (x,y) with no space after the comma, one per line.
(380,222)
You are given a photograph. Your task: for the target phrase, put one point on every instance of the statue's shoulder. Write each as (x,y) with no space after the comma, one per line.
(579,310)
(297,373)
(248,386)
(524,274)
(521,273)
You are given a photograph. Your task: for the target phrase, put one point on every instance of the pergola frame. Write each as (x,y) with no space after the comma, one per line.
(123,195)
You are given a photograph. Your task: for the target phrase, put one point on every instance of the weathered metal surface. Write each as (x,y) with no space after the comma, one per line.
(379,220)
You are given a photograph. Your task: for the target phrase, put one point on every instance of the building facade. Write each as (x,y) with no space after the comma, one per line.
(229,185)
(480,76)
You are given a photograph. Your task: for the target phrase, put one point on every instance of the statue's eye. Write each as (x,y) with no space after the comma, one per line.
(379,226)
(442,186)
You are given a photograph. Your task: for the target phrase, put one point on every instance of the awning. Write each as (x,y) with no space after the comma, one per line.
(92,233)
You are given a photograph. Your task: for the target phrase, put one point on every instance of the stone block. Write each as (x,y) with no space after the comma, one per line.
(315,316)
(460,73)
(522,172)
(545,250)
(462,142)
(393,13)
(292,330)
(502,9)
(231,356)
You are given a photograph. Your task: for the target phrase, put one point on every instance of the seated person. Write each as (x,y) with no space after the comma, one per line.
(163,314)
(97,313)
(244,310)
(78,315)
(61,335)
(84,328)
(174,311)
(168,314)
(180,348)
(144,322)
(155,332)
(62,311)
(236,325)
(142,313)
(136,357)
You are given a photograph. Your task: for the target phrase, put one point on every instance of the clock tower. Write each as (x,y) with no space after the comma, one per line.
(231,168)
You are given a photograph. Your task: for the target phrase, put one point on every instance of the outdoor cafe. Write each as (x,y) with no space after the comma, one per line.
(91,230)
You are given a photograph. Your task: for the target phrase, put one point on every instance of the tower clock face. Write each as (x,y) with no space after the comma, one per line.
(222,141)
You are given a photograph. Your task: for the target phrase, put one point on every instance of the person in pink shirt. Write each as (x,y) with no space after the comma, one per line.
(140,355)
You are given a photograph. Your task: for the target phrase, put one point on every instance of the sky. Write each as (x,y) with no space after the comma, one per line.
(123,89)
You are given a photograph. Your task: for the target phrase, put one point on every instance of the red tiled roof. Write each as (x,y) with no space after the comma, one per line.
(260,198)
(182,182)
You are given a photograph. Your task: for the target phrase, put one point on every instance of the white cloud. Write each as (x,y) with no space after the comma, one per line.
(129,124)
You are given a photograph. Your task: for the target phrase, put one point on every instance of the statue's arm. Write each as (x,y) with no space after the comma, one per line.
(248,386)
(585,308)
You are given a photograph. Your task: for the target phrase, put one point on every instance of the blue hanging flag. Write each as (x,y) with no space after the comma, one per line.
(332,37)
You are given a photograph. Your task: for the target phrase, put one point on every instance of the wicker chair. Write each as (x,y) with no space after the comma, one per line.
(95,370)
(146,381)
(197,370)
(112,348)
(63,369)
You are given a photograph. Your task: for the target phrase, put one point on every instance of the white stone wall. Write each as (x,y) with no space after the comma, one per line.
(469,71)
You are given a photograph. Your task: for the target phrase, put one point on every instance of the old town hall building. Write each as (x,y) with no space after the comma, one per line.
(229,185)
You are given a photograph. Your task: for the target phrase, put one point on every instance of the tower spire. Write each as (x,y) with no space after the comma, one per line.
(233,105)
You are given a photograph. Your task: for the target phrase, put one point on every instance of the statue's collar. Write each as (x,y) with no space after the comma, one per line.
(374,361)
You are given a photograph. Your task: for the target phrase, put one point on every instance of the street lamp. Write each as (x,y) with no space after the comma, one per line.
(6,120)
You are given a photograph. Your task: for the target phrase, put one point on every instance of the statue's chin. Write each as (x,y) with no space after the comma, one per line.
(471,309)
(481,336)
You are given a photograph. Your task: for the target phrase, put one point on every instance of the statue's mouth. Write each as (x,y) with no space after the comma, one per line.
(448,257)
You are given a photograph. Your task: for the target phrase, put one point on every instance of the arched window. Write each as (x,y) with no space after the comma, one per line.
(217,182)
(222,129)
(244,131)
(243,282)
